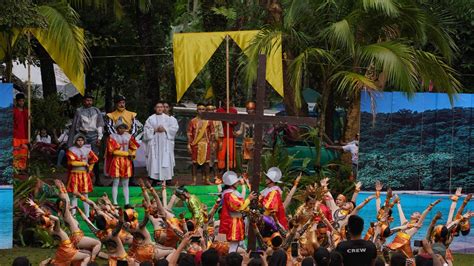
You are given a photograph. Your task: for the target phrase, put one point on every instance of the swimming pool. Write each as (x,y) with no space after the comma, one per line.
(419,202)
(6,217)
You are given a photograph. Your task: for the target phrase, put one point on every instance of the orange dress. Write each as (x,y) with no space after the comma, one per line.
(231,221)
(121,149)
(20,138)
(64,254)
(76,237)
(142,253)
(80,162)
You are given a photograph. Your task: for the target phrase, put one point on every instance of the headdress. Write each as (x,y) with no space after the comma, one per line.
(120,124)
(77,136)
(180,191)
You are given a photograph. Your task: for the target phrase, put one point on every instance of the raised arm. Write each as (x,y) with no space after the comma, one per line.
(358,185)
(360,206)
(173,257)
(159,205)
(89,224)
(290,194)
(86,200)
(463,205)
(146,197)
(403,219)
(454,201)
(432,225)
(378,189)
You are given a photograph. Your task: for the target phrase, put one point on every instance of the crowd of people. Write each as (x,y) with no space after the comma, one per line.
(323,230)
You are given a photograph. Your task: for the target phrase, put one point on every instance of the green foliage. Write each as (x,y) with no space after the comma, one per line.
(19,14)
(48,113)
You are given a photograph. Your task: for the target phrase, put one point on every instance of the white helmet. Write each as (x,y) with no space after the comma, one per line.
(230,178)
(274,174)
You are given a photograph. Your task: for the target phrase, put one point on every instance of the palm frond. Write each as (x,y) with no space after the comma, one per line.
(439,35)
(350,83)
(432,68)
(64,40)
(395,59)
(340,35)
(388,7)
(298,67)
(101,5)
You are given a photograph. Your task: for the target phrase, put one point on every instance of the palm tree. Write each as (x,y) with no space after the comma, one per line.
(60,36)
(351,46)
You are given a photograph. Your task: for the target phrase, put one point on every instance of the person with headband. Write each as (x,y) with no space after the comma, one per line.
(200,133)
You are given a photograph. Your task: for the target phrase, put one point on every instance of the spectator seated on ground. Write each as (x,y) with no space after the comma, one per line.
(43,143)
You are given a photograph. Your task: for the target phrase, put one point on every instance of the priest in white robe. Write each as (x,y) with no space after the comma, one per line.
(159,132)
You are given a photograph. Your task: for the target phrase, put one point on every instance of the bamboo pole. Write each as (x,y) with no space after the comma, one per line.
(29,89)
(227,87)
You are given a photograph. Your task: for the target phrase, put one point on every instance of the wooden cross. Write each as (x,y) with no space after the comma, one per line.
(258,120)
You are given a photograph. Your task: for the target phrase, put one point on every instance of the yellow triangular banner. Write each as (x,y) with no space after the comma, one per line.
(72,66)
(191,52)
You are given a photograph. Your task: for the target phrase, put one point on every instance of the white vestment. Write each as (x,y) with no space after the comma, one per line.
(158,153)
(175,127)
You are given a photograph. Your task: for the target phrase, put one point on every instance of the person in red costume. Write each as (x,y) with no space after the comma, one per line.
(271,197)
(222,154)
(20,133)
(231,221)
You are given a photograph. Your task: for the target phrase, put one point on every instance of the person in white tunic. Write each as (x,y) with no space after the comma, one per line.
(159,132)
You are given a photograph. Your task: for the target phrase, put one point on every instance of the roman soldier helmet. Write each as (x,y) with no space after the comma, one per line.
(230,178)
(274,174)
(78,136)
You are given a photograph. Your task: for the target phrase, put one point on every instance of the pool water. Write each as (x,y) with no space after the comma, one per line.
(419,202)
(6,217)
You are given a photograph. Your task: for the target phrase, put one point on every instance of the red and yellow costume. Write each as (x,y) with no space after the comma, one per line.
(272,203)
(231,221)
(222,154)
(81,162)
(200,132)
(401,242)
(20,138)
(64,254)
(121,150)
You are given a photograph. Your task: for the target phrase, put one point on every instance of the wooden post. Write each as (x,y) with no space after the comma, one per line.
(227,91)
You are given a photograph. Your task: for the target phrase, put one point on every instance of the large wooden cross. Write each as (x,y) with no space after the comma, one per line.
(258,120)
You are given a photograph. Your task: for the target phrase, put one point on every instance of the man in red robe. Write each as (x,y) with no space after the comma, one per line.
(271,197)
(230,216)
(222,154)
(20,133)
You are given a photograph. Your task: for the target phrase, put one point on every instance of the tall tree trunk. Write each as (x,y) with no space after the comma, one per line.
(145,34)
(329,115)
(353,118)
(48,77)
(8,67)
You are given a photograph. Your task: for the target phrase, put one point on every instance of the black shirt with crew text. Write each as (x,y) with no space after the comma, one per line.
(357,252)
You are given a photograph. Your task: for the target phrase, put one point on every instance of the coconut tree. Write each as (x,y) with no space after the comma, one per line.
(354,45)
(60,36)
